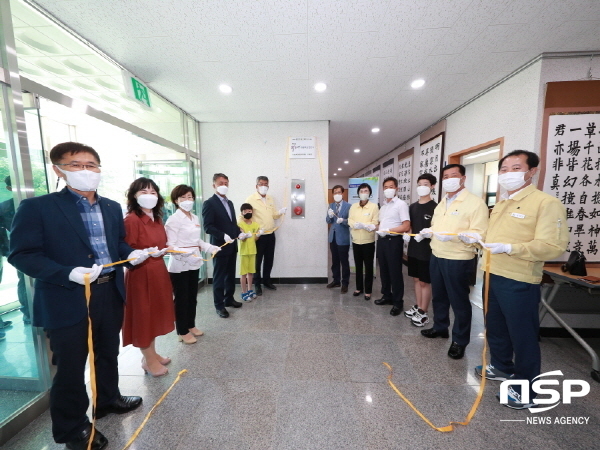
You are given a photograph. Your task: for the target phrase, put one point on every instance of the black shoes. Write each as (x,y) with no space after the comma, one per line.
(223,313)
(431,333)
(344,289)
(5,324)
(356,293)
(258,288)
(121,405)
(395,311)
(234,304)
(333,284)
(383,301)
(456,351)
(271,286)
(81,442)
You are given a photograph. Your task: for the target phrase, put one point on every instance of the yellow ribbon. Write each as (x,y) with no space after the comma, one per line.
(88,296)
(450,426)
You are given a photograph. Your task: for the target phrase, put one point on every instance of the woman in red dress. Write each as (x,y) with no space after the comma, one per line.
(149,311)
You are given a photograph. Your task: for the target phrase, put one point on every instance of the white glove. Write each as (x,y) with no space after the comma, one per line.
(426,233)
(383,232)
(330,212)
(419,238)
(496,248)
(158,253)
(242,236)
(249,235)
(359,226)
(214,249)
(139,255)
(406,237)
(442,237)
(339,220)
(187,253)
(282,211)
(260,232)
(76,275)
(227,239)
(469,238)
(370,227)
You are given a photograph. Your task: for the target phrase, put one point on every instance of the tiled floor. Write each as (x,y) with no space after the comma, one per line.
(301,368)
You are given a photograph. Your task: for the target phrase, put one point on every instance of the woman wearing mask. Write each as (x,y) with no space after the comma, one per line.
(363,220)
(149,308)
(183,234)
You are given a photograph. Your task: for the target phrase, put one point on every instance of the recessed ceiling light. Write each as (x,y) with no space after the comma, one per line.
(346,162)
(335,174)
(374,130)
(357,150)
(320,87)
(417,83)
(339,169)
(225,89)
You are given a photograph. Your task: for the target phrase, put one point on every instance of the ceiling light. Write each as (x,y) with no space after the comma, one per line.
(346,162)
(320,87)
(339,169)
(335,174)
(357,150)
(481,154)
(417,83)
(225,89)
(374,130)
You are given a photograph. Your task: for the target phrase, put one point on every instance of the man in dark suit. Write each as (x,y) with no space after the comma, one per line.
(218,216)
(55,239)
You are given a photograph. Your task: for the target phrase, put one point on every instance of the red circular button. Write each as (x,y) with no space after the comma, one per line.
(297,186)
(298,210)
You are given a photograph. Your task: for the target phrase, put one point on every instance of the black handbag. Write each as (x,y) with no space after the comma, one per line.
(575,265)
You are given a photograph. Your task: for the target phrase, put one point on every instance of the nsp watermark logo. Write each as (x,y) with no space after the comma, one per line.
(538,387)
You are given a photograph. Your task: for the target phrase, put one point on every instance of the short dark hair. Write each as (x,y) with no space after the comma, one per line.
(180,191)
(246,206)
(364,185)
(134,207)
(391,179)
(219,175)
(533,160)
(429,177)
(460,167)
(338,186)
(7,181)
(262,178)
(58,151)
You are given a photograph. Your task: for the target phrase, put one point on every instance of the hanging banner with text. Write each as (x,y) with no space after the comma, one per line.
(573,176)
(405,177)
(431,158)
(303,147)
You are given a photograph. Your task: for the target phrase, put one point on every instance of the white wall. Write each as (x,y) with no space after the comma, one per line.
(244,151)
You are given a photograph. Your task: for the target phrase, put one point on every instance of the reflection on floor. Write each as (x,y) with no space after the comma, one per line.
(302,368)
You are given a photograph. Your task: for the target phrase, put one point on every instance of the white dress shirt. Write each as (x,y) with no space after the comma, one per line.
(392,214)
(183,233)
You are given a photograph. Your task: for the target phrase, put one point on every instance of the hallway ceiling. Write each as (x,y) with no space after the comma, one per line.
(272,52)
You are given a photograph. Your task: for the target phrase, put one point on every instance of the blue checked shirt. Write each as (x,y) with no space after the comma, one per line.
(94,225)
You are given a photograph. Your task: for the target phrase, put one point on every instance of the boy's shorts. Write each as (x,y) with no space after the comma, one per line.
(247,264)
(419,269)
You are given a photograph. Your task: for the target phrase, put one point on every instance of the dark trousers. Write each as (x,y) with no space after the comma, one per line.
(68,397)
(364,254)
(340,258)
(513,325)
(450,279)
(389,254)
(265,251)
(224,279)
(185,291)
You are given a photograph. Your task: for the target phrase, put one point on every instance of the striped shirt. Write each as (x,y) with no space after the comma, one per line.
(94,225)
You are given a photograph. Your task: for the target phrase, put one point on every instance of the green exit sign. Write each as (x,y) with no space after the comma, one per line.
(136,89)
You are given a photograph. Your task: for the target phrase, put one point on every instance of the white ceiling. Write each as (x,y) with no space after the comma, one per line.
(272,52)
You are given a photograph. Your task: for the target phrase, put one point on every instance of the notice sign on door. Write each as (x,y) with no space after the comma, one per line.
(303,147)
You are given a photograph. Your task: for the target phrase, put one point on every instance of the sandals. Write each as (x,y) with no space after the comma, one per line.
(367,297)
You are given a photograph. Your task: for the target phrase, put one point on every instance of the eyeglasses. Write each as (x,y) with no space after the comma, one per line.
(79,166)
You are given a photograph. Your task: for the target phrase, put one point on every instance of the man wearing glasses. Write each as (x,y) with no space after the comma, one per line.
(56,239)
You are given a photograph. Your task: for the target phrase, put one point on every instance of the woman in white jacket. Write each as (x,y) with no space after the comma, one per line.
(183,234)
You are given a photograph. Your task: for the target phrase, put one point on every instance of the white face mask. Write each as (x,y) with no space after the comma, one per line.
(222,190)
(451,184)
(422,191)
(364,196)
(186,205)
(389,193)
(337,198)
(82,180)
(262,190)
(147,201)
(511,181)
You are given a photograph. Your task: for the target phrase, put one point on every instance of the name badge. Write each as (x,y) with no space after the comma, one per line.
(518,216)
(366,214)
(454,213)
